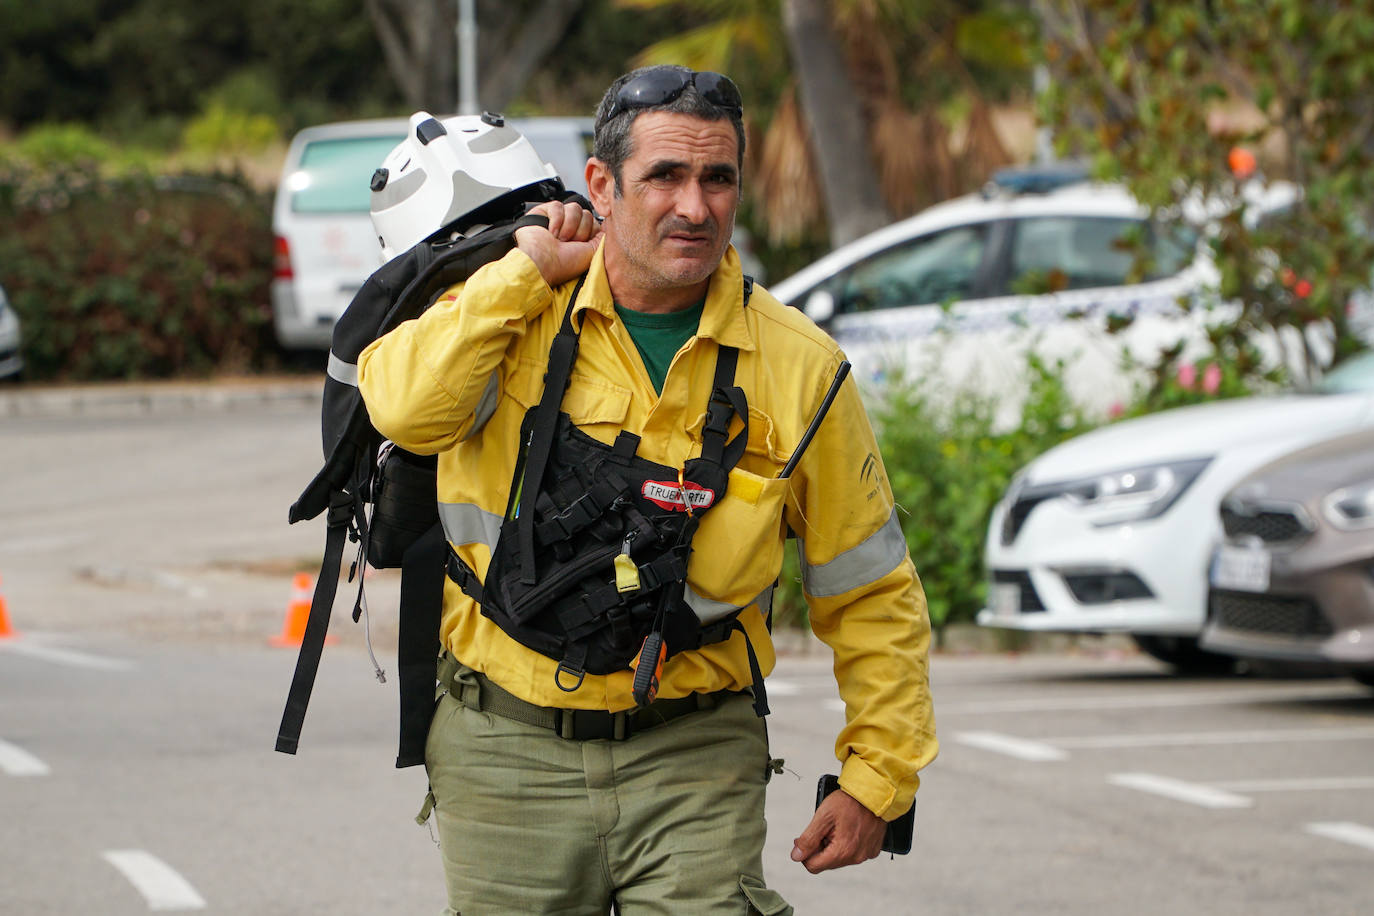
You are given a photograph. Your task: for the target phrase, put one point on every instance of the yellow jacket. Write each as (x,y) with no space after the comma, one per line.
(458,381)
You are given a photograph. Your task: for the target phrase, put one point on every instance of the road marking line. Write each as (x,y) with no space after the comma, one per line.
(32,543)
(159,884)
(1177,789)
(66,656)
(1020,748)
(1315,784)
(783,688)
(16,761)
(1157,700)
(1346,832)
(1100,742)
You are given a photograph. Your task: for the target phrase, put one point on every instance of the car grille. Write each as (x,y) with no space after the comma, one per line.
(1272,614)
(1030,601)
(1272,526)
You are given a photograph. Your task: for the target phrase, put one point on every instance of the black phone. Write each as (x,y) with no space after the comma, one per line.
(897,840)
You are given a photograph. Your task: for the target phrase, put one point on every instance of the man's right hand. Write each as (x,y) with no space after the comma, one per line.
(564,250)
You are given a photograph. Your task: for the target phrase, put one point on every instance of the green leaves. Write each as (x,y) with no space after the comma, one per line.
(136,277)
(1161,101)
(949,462)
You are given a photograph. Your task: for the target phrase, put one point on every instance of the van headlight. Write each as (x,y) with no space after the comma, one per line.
(1132,494)
(1351,508)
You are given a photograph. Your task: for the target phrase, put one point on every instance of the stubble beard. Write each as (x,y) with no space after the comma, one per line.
(657,271)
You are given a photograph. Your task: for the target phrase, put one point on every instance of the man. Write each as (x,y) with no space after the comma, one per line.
(566,777)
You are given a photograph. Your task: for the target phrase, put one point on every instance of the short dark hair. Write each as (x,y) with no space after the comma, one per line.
(611,136)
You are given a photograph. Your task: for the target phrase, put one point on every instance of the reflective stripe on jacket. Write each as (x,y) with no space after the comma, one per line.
(458,381)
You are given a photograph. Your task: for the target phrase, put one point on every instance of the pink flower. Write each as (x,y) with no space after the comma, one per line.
(1187,376)
(1211,378)
(1116,410)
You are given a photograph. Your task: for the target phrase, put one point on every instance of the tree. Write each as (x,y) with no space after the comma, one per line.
(130,66)
(1160,93)
(849,91)
(850,185)
(419,41)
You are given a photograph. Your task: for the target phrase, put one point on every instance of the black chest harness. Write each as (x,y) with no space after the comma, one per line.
(590,568)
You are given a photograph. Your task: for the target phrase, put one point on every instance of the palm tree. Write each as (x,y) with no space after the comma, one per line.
(830,70)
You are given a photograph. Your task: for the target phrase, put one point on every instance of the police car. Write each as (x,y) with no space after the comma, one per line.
(1041,260)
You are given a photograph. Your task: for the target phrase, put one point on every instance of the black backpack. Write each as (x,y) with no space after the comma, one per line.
(381,496)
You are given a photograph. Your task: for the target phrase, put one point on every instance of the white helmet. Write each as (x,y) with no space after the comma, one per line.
(443,171)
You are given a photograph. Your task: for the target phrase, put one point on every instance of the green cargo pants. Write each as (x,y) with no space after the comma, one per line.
(668,822)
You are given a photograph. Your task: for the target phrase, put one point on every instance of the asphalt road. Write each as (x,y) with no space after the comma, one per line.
(145,562)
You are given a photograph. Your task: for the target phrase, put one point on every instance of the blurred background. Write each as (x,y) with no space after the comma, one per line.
(1104,271)
(142,144)
(140,95)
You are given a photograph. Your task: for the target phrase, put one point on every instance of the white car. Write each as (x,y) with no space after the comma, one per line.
(1113,531)
(325,244)
(11,360)
(959,293)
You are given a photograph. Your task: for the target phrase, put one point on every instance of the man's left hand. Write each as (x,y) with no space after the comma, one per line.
(842,832)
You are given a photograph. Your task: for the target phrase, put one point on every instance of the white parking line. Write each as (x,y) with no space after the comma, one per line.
(1158,700)
(31,543)
(1316,784)
(65,656)
(1190,792)
(1346,832)
(16,761)
(782,687)
(159,884)
(1020,748)
(1183,739)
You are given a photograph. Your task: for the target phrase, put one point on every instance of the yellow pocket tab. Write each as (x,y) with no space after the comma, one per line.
(746,487)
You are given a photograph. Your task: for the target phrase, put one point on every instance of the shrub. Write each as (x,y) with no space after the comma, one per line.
(58,145)
(137,276)
(948,462)
(222,130)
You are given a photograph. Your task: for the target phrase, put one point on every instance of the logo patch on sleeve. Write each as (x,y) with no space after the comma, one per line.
(666,494)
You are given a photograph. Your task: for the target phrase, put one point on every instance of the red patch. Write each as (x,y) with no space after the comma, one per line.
(666,494)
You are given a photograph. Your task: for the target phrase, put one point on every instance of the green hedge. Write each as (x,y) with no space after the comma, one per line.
(137,276)
(948,462)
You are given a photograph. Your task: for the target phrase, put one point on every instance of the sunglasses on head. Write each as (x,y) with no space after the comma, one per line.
(659,87)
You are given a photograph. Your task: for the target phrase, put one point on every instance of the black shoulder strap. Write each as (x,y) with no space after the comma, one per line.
(727,400)
(422,597)
(545,425)
(317,624)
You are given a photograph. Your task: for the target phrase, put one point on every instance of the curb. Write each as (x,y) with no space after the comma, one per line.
(136,398)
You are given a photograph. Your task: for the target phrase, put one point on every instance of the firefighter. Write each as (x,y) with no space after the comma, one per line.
(621,422)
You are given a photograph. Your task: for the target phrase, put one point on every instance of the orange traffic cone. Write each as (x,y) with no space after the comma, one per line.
(297,612)
(6,631)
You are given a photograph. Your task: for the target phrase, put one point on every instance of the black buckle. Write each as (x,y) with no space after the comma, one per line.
(592,724)
(718,414)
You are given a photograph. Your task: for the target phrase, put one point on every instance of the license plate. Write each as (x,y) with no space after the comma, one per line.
(1241,569)
(1005,599)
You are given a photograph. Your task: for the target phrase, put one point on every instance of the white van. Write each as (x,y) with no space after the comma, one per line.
(325,244)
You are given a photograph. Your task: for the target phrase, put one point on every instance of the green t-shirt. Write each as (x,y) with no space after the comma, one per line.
(658,337)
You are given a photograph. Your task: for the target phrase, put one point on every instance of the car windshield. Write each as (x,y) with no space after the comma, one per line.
(1051,253)
(334,174)
(1354,375)
(932,268)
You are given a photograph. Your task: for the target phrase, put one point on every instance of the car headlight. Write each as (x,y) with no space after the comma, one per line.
(1351,508)
(1131,494)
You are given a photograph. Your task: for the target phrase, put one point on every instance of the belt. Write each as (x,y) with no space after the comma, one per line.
(482,694)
